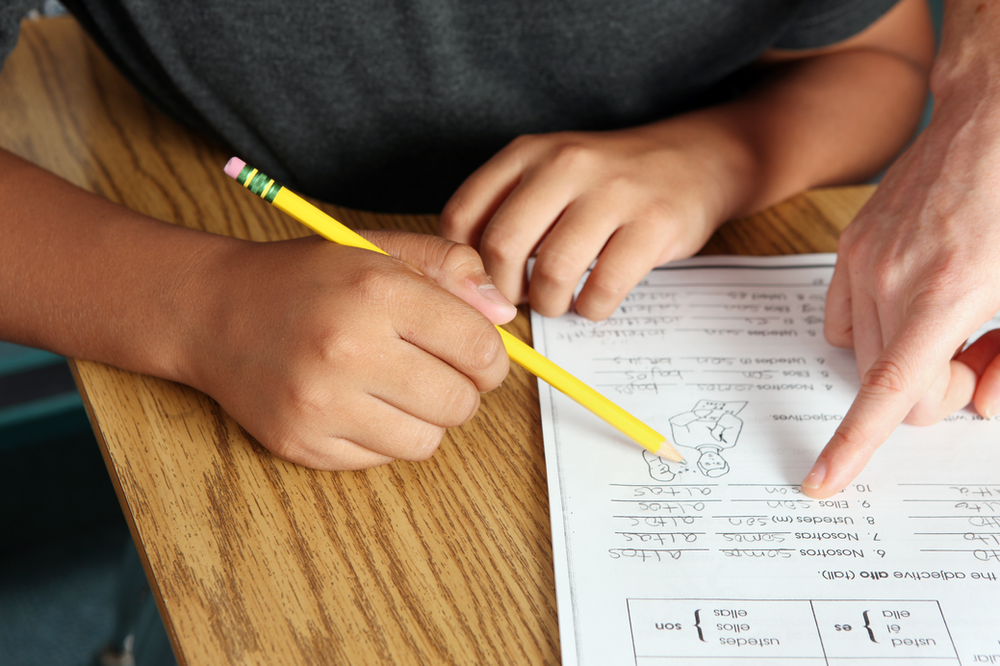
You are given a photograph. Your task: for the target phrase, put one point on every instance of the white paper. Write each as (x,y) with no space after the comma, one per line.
(723,560)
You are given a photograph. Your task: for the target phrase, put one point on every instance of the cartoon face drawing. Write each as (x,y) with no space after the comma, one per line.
(712,464)
(708,428)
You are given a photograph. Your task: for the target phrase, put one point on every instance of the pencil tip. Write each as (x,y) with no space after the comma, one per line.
(667,450)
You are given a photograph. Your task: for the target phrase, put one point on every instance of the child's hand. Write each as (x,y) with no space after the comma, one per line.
(339,358)
(632,199)
(636,198)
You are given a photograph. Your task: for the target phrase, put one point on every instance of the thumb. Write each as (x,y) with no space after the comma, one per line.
(456,267)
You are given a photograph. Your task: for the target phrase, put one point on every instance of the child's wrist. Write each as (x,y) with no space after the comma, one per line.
(727,159)
(199,301)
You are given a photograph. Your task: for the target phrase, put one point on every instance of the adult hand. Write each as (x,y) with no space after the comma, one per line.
(917,273)
(339,358)
(632,199)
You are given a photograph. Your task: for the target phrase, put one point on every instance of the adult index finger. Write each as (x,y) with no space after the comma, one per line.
(900,376)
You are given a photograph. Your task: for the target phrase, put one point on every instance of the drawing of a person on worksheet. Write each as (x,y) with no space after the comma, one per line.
(710,427)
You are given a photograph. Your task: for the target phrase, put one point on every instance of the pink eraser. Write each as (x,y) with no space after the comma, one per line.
(234,166)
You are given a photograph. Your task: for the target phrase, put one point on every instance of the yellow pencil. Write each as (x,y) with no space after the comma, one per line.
(525,356)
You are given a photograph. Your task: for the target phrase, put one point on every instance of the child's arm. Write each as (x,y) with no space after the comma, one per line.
(331,357)
(639,197)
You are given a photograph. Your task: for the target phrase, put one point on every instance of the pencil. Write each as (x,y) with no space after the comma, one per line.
(522,354)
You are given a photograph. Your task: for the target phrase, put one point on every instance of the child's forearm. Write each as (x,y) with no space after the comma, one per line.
(638,197)
(330,356)
(831,121)
(87,278)
(826,119)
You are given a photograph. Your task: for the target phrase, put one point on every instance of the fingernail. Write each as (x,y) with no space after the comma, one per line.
(814,479)
(992,410)
(493,295)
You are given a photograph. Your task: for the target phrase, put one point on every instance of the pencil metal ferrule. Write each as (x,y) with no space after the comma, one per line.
(259,183)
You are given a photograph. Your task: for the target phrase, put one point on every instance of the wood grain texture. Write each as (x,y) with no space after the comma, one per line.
(254,560)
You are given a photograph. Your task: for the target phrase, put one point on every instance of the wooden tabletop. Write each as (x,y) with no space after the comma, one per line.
(256,560)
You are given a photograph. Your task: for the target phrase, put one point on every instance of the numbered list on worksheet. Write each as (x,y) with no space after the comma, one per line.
(721,558)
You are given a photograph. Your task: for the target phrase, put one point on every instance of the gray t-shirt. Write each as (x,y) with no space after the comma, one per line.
(390,104)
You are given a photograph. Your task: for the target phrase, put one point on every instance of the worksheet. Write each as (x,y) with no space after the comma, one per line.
(722,560)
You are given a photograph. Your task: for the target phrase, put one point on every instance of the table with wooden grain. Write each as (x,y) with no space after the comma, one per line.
(256,560)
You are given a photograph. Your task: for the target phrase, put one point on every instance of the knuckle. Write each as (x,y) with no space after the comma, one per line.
(548,306)
(342,349)
(496,249)
(609,285)
(484,354)
(852,438)
(847,241)
(595,309)
(286,448)
(302,447)
(482,358)
(424,442)
(574,156)
(555,269)
(857,256)
(460,404)
(837,335)
(885,377)
(622,186)
(373,283)
(460,258)
(662,211)
(523,142)
(884,280)
(524,138)
(600,301)
(455,218)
